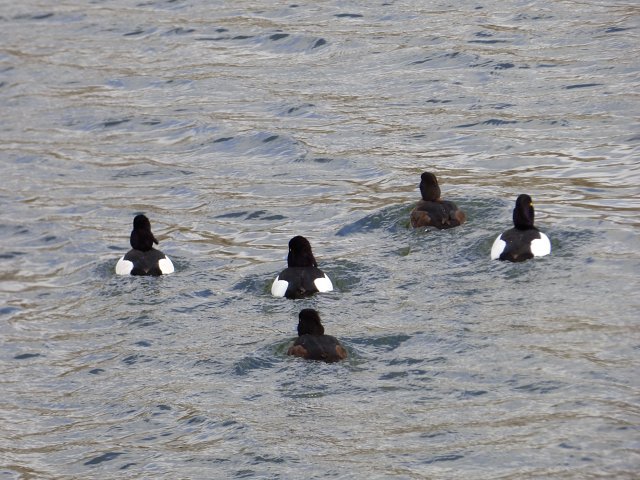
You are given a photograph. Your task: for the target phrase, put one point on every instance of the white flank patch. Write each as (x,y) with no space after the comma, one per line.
(279,287)
(498,248)
(541,246)
(166,266)
(323,284)
(124,267)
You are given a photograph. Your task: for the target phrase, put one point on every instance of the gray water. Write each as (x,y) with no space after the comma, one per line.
(237,125)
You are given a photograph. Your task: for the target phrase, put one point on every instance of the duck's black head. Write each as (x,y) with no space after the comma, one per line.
(300,254)
(523,212)
(141,236)
(429,188)
(309,323)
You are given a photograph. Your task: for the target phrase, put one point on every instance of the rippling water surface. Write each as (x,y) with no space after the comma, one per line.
(237,125)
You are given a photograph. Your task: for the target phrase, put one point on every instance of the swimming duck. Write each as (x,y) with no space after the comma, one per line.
(524,241)
(143,259)
(432,211)
(302,277)
(312,343)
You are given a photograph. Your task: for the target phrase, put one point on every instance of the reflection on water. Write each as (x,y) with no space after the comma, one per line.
(237,126)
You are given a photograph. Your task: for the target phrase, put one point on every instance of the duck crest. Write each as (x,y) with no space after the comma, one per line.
(429,188)
(141,237)
(309,323)
(300,254)
(523,213)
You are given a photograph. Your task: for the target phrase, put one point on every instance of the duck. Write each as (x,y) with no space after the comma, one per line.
(312,343)
(524,240)
(143,259)
(433,211)
(302,277)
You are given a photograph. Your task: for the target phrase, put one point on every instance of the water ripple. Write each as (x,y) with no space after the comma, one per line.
(237,127)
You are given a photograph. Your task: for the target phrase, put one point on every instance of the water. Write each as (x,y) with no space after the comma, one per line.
(237,125)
